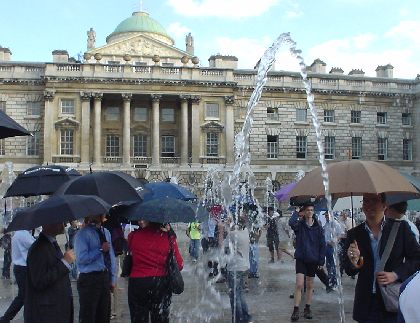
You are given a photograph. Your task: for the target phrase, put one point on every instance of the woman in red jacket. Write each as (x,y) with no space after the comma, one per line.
(148,291)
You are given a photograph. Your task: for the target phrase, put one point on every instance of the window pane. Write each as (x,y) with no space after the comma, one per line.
(329,115)
(381,117)
(356,147)
(212,110)
(272,146)
(140,114)
(329,147)
(356,116)
(2,150)
(33,108)
(382,148)
(407,149)
(66,142)
(168,115)
(112,148)
(301,147)
(139,146)
(212,144)
(272,114)
(33,144)
(406,119)
(67,106)
(112,113)
(168,146)
(301,114)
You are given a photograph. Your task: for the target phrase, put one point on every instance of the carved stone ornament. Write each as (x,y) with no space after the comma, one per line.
(195,60)
(156,97)
(185,59)
(212,126)
(85,96)
(66,123)
(195,99)
(87,56)
(98,95)
(127,96)
(229,99)
(49,95)
(98,56)
(184,97)
(127,57)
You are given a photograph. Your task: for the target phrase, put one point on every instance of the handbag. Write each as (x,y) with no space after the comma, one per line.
(391,292)
(127,265)
(176,282)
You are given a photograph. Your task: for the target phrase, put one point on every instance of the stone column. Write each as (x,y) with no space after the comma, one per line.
(97,128)
(195,129)
(229,129)
(85,129)
(126,128)
(155,130)
(48,126)
(184,129)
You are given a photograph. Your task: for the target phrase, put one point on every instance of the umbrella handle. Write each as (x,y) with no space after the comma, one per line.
(359,263)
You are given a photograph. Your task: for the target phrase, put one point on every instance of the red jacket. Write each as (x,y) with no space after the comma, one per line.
(150,248)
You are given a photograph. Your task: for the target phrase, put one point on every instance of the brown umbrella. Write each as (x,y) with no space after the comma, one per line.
(356,177)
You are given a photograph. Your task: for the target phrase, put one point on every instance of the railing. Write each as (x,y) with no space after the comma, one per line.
(140,160)
(69,67)
(171,70)
(112,159)
(212,160)
(169,160)
(111,68)
(65,159)
(143,69)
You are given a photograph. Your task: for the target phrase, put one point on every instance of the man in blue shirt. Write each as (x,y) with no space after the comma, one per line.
(95,260)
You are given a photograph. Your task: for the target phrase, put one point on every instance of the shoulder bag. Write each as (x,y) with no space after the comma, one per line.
(127,264)
(176,282)
(391,292)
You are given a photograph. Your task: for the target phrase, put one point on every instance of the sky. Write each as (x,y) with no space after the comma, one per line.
(350,34)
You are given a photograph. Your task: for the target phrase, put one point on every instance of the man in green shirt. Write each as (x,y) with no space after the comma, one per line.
(194,233)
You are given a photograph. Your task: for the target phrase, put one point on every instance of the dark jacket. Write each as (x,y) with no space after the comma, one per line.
(404,260)
(310,241)
(48,290)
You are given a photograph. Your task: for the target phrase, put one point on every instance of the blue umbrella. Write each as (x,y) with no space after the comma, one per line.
(161,210)
(58,209)
(165,189)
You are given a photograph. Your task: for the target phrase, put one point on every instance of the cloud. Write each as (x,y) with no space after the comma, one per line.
(294,12)
(177,30)
(405,31)
(222,8)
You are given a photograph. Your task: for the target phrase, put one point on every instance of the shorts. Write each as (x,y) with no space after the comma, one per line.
(306,268)
(284,244)
(272,243)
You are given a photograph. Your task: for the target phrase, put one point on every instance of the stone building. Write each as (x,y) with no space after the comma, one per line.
(141,105)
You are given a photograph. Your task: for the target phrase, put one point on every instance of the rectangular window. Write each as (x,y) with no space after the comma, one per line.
(168,115)
(3,106)
(301,114)
(212,144)
(356,147)
(300,146)
(32,144)
(112,148)
(168,146)
(140,114)
(407,149)
(67,106)
(329,116)
(406,119)
(2,150)
(212,110)
(329,147)
(381,117)
(356,116)
(112,113)
(272,146)
(140,146)
(272,114)
(66,142)
(33,108)
(382,148)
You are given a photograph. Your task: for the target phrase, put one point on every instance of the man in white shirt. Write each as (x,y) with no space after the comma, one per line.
(21,242)
(397,212)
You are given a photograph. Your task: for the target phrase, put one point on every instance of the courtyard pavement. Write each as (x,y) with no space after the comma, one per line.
(206,301)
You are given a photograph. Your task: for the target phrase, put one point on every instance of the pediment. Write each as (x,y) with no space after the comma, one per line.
(139,45)
(212,126)
(66,123)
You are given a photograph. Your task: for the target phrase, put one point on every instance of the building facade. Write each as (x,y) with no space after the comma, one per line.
(143,106)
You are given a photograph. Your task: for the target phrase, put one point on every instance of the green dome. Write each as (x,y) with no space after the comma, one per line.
(140,22)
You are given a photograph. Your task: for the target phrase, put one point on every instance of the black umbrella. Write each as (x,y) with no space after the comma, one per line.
(41,180)
(58,209)
(10,128)
(112,187)
(163,210)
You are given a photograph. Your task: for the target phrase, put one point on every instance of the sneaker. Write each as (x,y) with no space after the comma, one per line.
(329,289)
(292,296)
(307,313)
(295,315)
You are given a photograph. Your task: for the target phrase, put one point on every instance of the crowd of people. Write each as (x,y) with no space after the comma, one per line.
(43,271)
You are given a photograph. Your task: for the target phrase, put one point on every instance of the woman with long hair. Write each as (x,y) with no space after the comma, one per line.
(148,285)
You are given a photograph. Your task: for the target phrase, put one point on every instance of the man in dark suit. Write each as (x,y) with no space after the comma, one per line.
(48,296)
(368,240)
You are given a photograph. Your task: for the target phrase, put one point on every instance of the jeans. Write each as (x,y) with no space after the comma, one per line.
(17,304)
(332,279)
(194,248)
(236,294)
(254,257)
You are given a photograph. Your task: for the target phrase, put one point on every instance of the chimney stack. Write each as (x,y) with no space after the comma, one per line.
(318,66)
(385,71)
(5,54)
(60,56)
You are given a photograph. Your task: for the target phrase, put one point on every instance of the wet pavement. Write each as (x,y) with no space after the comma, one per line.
(206,301)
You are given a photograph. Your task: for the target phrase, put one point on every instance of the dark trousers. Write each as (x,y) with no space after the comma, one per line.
(377,313)
(94,297)
(7,262)
(17,303)
(329,257)
(149,296)
(322,275)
